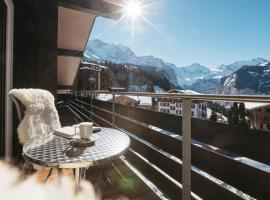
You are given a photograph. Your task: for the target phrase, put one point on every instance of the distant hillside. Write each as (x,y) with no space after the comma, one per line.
(100,51)
(190,74)
(154,71)
(205,86)
(254,79)
(138,78)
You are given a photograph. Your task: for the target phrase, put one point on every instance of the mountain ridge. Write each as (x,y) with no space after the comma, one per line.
(195,76)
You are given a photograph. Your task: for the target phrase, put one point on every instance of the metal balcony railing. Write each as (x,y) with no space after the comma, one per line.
(186,126)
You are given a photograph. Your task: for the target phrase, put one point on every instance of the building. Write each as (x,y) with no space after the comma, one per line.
(140,101)
(93,76)
(259,115)
(174,106)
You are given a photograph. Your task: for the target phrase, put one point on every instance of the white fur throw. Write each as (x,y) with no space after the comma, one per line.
(41,116)
(13,187)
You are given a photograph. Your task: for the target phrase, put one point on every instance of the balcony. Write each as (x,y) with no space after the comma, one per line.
(219,161)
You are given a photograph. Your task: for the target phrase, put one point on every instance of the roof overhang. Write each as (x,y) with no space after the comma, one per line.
(104,8)
(75,22)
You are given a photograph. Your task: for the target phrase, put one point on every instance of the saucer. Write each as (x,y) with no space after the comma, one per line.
(82,143)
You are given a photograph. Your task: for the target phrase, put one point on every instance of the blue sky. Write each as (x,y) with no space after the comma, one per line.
(209,32)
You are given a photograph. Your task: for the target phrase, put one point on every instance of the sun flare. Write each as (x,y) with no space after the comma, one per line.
(133,8)
(134,12)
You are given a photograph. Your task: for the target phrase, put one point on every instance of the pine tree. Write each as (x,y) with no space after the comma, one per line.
(242,115)
(213,116)
(233,116)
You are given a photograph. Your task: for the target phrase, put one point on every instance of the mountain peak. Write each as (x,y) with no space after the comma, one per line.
(259,60)
(98,50)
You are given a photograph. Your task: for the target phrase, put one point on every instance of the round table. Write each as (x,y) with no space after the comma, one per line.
(49,150)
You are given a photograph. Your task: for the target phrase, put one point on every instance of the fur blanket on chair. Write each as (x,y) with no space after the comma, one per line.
(41,116)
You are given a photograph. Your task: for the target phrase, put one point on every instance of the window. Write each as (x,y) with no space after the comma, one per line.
(178,112)
(172,107)
(192,113)
(193,106)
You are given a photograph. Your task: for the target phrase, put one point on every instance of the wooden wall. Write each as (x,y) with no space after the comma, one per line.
(35,49)
(35,44)
(2,76)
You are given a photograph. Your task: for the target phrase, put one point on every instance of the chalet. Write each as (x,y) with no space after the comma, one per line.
(174,106)
(259,115)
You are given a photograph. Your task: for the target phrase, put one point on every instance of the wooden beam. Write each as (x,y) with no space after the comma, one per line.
(95,7)
(68,52)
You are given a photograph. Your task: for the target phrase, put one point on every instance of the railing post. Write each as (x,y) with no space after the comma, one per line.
(113,110)
(186,149)
(91,107)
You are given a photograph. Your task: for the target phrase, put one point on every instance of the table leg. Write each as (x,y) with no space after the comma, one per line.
(77,178)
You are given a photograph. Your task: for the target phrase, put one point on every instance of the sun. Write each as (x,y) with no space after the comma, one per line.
(133,8)
(134,12)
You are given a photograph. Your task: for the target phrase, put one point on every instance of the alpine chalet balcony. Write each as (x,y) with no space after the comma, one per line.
(171,155)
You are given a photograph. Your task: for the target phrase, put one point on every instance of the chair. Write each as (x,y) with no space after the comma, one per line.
(19,107)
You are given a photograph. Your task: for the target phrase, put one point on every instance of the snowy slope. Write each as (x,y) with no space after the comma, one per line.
(253,79)
(117,53)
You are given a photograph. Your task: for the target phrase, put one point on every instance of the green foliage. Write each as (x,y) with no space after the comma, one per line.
(213,116)
(218,108)
(237,115)
(127,75)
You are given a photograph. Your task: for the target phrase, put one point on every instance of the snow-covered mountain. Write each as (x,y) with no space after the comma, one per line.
(205,86)
(225,70)
(196,76)
(190,74)
(117,53)
(211,81)
(251,79)
(199,78)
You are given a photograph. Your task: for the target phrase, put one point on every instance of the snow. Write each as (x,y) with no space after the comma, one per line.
(142,100)
(183,91)
(190,92)
(220,117)
(217,77)
(158,89)
(95,56)
(230,80)
(145,101)
(265,64)
(251,105)
(104,97)
(253,73)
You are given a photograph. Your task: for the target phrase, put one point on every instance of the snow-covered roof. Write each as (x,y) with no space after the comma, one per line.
(93,64)
(142,100)
(145,101)
(251,105)
(104,97)
(183,91)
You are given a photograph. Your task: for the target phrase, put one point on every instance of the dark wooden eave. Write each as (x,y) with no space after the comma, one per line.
(95,7)
(68,52)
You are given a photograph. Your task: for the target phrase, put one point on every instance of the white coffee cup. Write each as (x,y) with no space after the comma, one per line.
(86,130)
